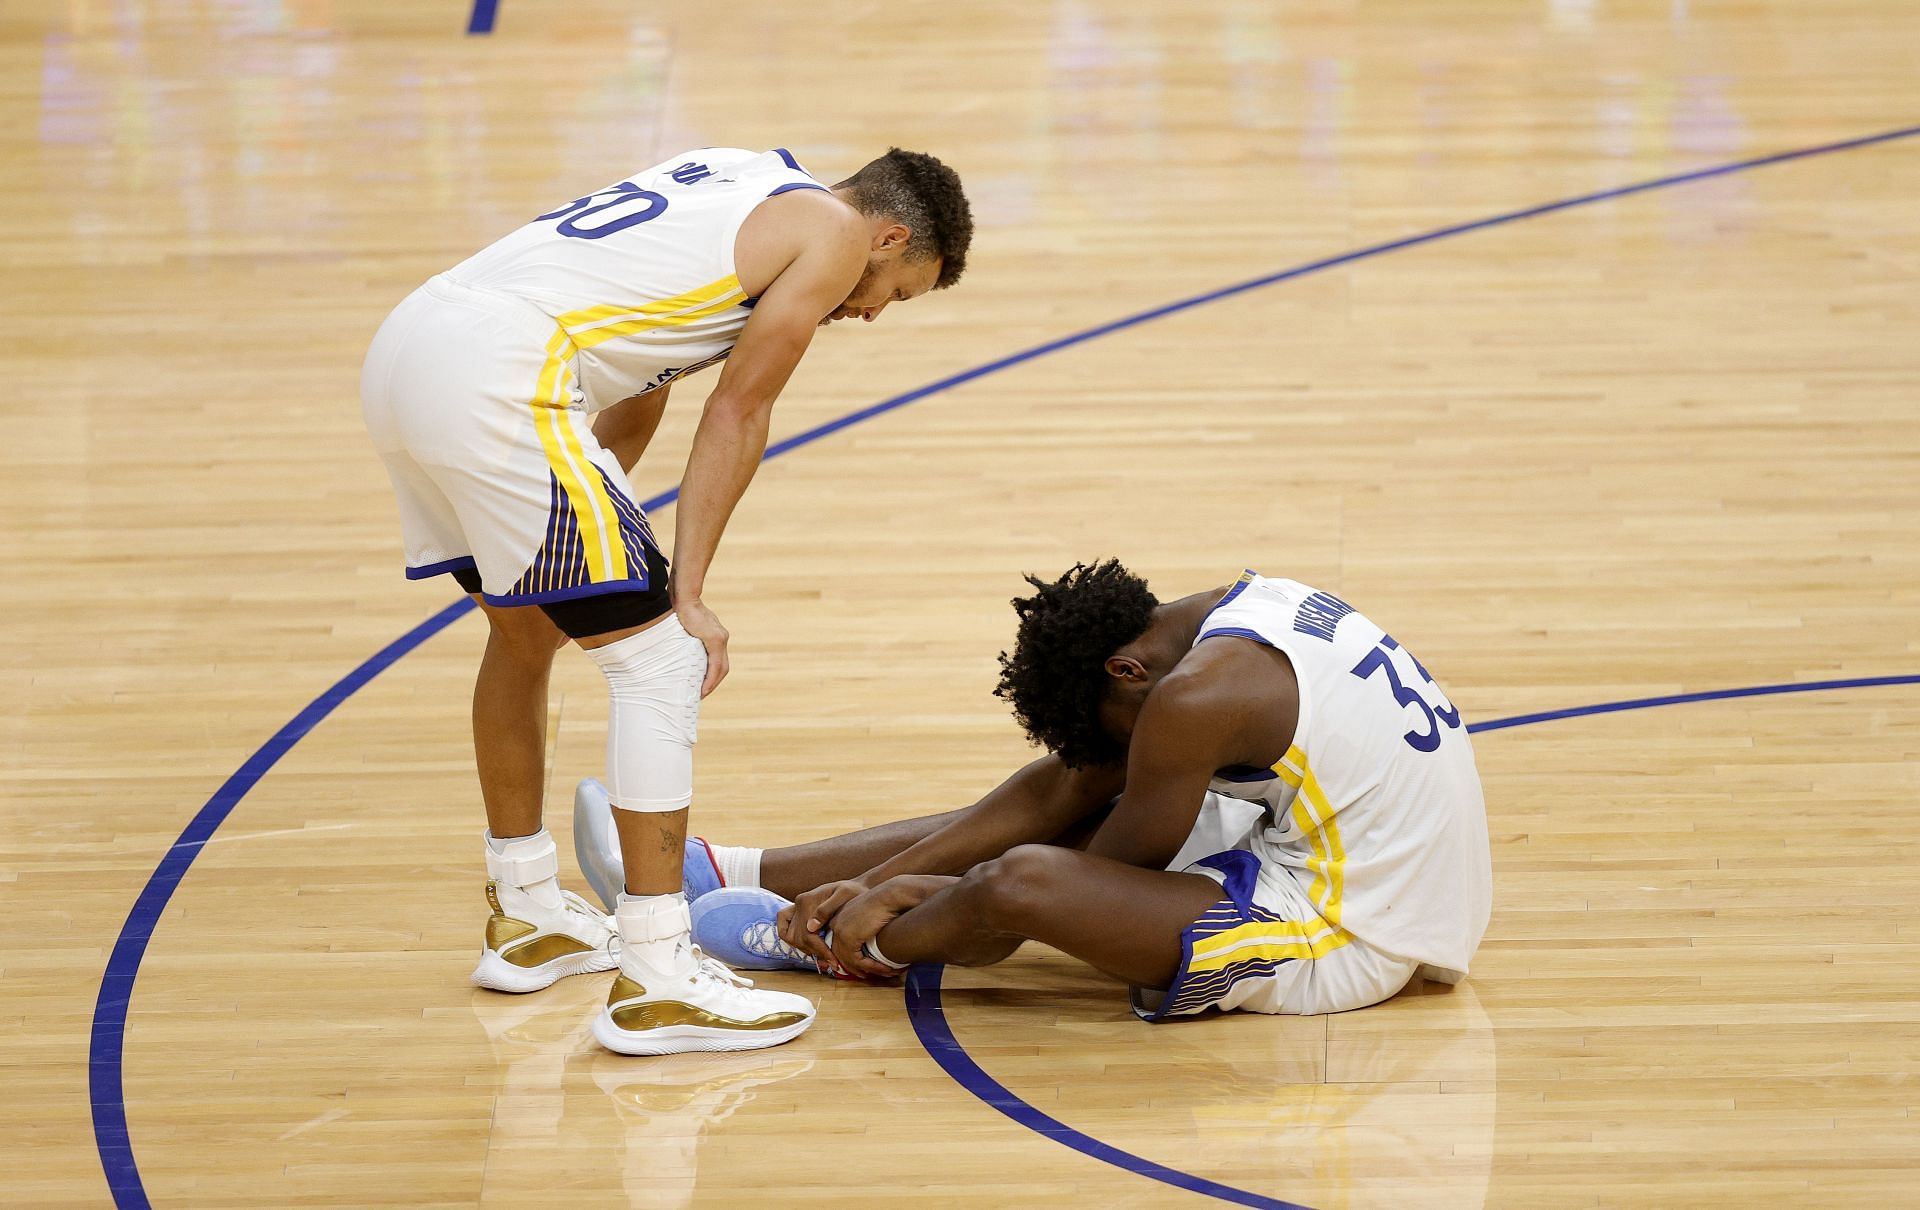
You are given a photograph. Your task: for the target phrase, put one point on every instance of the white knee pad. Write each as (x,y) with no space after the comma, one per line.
(653,718)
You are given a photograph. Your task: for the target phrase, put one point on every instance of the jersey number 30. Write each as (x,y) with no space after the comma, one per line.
(623,196)
(1381,659)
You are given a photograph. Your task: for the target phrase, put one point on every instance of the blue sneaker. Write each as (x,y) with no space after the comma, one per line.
(699,872)
(739,926)
(596,843)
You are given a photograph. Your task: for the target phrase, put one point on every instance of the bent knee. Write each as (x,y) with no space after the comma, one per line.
(1014,890)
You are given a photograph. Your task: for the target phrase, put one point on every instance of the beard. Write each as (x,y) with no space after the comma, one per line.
(859,288)
(866,279)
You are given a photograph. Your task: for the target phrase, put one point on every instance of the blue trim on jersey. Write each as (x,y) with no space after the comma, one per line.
(793,185)
(1240,586)
(463,563)
(792,163)
(1243,774)
(1238,632)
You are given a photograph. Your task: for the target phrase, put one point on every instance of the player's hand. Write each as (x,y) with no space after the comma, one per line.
(860,922)
(800,925)
(701,623)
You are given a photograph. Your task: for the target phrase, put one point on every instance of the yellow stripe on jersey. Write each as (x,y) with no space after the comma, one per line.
(697,303)
(593,511)
(1314,816)
(1295,939)
(628,327)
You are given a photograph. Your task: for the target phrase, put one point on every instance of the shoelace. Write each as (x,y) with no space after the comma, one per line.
(713,968)
(582,906)
(612,944)
(763,938)
(703,963)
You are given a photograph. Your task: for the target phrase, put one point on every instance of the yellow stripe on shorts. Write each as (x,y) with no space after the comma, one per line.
(593,512)
(1265,940)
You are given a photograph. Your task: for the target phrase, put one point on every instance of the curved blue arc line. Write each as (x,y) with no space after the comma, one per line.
(123,965)
(106,1047)
(936,1035)
(930,1023)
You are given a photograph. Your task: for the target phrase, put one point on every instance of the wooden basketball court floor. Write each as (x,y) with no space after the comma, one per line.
(1646,445)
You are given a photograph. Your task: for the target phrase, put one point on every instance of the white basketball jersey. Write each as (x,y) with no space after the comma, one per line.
(639,276)
(1376,807)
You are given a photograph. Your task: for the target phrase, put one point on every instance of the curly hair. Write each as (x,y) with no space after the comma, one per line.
(1056,676)
(926,196)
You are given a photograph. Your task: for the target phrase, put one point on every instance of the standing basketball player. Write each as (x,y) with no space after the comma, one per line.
(477,392)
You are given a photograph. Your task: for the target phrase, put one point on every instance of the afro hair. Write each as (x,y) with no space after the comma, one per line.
(1056,677)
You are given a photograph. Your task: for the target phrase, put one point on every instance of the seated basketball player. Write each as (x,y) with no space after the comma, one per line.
(1253,798)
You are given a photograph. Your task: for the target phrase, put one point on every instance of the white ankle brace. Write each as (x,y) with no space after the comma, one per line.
(652,927)
(646,918)
(530,864)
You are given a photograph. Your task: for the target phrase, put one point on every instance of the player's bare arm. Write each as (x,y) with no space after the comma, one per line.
(1042,800)
(1037,803)
(627,428)
(1229,702)
(806,251)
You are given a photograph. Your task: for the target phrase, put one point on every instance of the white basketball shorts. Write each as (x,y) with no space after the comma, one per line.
(1264,949)
(468,395)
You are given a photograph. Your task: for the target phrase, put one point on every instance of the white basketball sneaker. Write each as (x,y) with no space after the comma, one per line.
(538,934)
(669,998)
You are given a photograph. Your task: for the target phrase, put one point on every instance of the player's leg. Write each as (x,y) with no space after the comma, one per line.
(789,871)
(796,869)
(738,923)
(537,933)
(734,920)
(668,997)
(460,395)
(510,712)
(1121,919)
(1227,933)
(653,670)
(707,867)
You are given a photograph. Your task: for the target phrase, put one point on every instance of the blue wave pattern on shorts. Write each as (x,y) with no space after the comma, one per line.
(561,562)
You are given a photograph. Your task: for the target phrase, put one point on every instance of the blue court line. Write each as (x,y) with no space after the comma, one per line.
(123,965)
(930,1026)
(484,11)
(930,1023)
(1678,699)
(111,1136)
